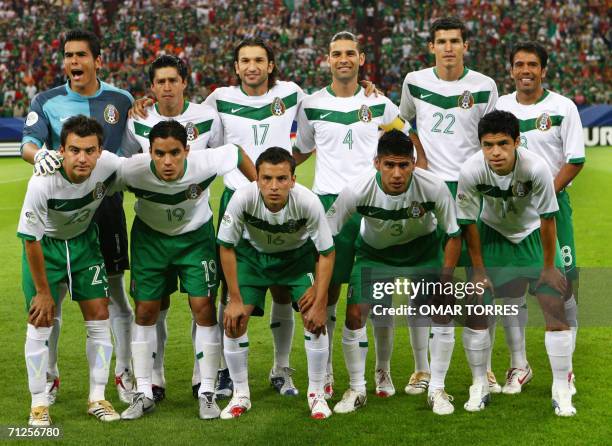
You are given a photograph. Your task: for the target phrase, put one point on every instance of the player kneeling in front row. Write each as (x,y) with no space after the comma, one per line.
(61,246)
(266,239)
(517,234)
(401,207)
(173,237)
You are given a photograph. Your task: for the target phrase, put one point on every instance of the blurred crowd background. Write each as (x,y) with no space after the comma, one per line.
(394,35)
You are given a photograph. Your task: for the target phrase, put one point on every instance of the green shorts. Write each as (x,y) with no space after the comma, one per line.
(506,261)
(344,243)
(258,271)
(158,260)
(565,235)
(464,257)
(423,256)
(77,262)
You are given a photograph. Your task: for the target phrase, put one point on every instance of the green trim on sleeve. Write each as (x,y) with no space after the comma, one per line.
(225,244)
(455,234)
(576,160)
(327,251)
(26,236)
(465,221)
(549,215)
(239,155)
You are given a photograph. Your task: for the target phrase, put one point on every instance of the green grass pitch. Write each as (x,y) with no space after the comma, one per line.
(524,419)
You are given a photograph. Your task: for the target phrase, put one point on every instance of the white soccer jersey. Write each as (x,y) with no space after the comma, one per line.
(344,132)
(390,220)
(512,204)
(551,128)
(202,123)
(301,218)
(55,207)
(180,206)
(447,115)
(256,122)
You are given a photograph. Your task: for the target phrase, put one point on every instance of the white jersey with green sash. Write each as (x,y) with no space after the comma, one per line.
(180,206)
(57,208)
(551,128)
(256,122)
(447,115)
(344,131)
(512,204)
(270,232)
(202,123)
(390,220)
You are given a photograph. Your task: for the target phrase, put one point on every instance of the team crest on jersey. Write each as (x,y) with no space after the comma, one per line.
(292,226)
(466,100)
(365,114)
(193,191)
(278,107)
(331,211)
(520,189)
(416,210)
(192,131)
(99,191)
(543,122)
(111,114)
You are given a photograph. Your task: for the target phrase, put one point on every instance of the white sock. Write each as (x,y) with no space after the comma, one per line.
(158,378)
(355,349)
(208,347)
(37,361)
(559,349)
(571,314)
(476,344)
(237,356)
(419,340)
(53,341)
(195,374)
(383,340)
(317,350)
(514,328)
(331,326)
(143,353)
(492,322)
(99,348)
(220,310)
(122,318)
(441,347)
(282,326)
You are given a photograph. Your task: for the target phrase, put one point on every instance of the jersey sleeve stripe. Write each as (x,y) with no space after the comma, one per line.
(26,236)
(465,221)
(577,160)
(225,244)
(327,251)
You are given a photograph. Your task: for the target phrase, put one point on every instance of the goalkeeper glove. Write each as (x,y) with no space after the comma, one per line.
(46,162)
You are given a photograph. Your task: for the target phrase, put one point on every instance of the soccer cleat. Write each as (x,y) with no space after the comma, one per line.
(516,379)
(39,417)
(140,406)
(225,385)
(572,383)
(103,411)
(494,386)
(159,393)
(237,406)
(208,406)
(328,388)
(283,383)
(125,386)
(319,410)
(418,383)
(479,398)
(562,402)
(195,390)
(53,383)
(351,401)
(441,402)
(384,384)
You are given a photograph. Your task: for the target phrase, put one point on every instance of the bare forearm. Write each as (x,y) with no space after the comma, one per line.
(228,262)
(301,157)
(566,175)
(472,238)
(452,251)
(28,152)
(325,267)
(246,166)
(420,151)
(548,231)
(36,262)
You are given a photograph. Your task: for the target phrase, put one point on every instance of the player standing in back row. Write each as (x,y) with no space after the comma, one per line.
(550,126)
(447,100)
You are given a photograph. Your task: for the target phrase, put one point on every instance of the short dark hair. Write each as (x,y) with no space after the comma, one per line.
(530,47)
(82,126)
(346,35)
(447,23)
(168,61)
(499,121)
(395,142)
(81,35)
(168,129)
(257,41)
(276,155)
